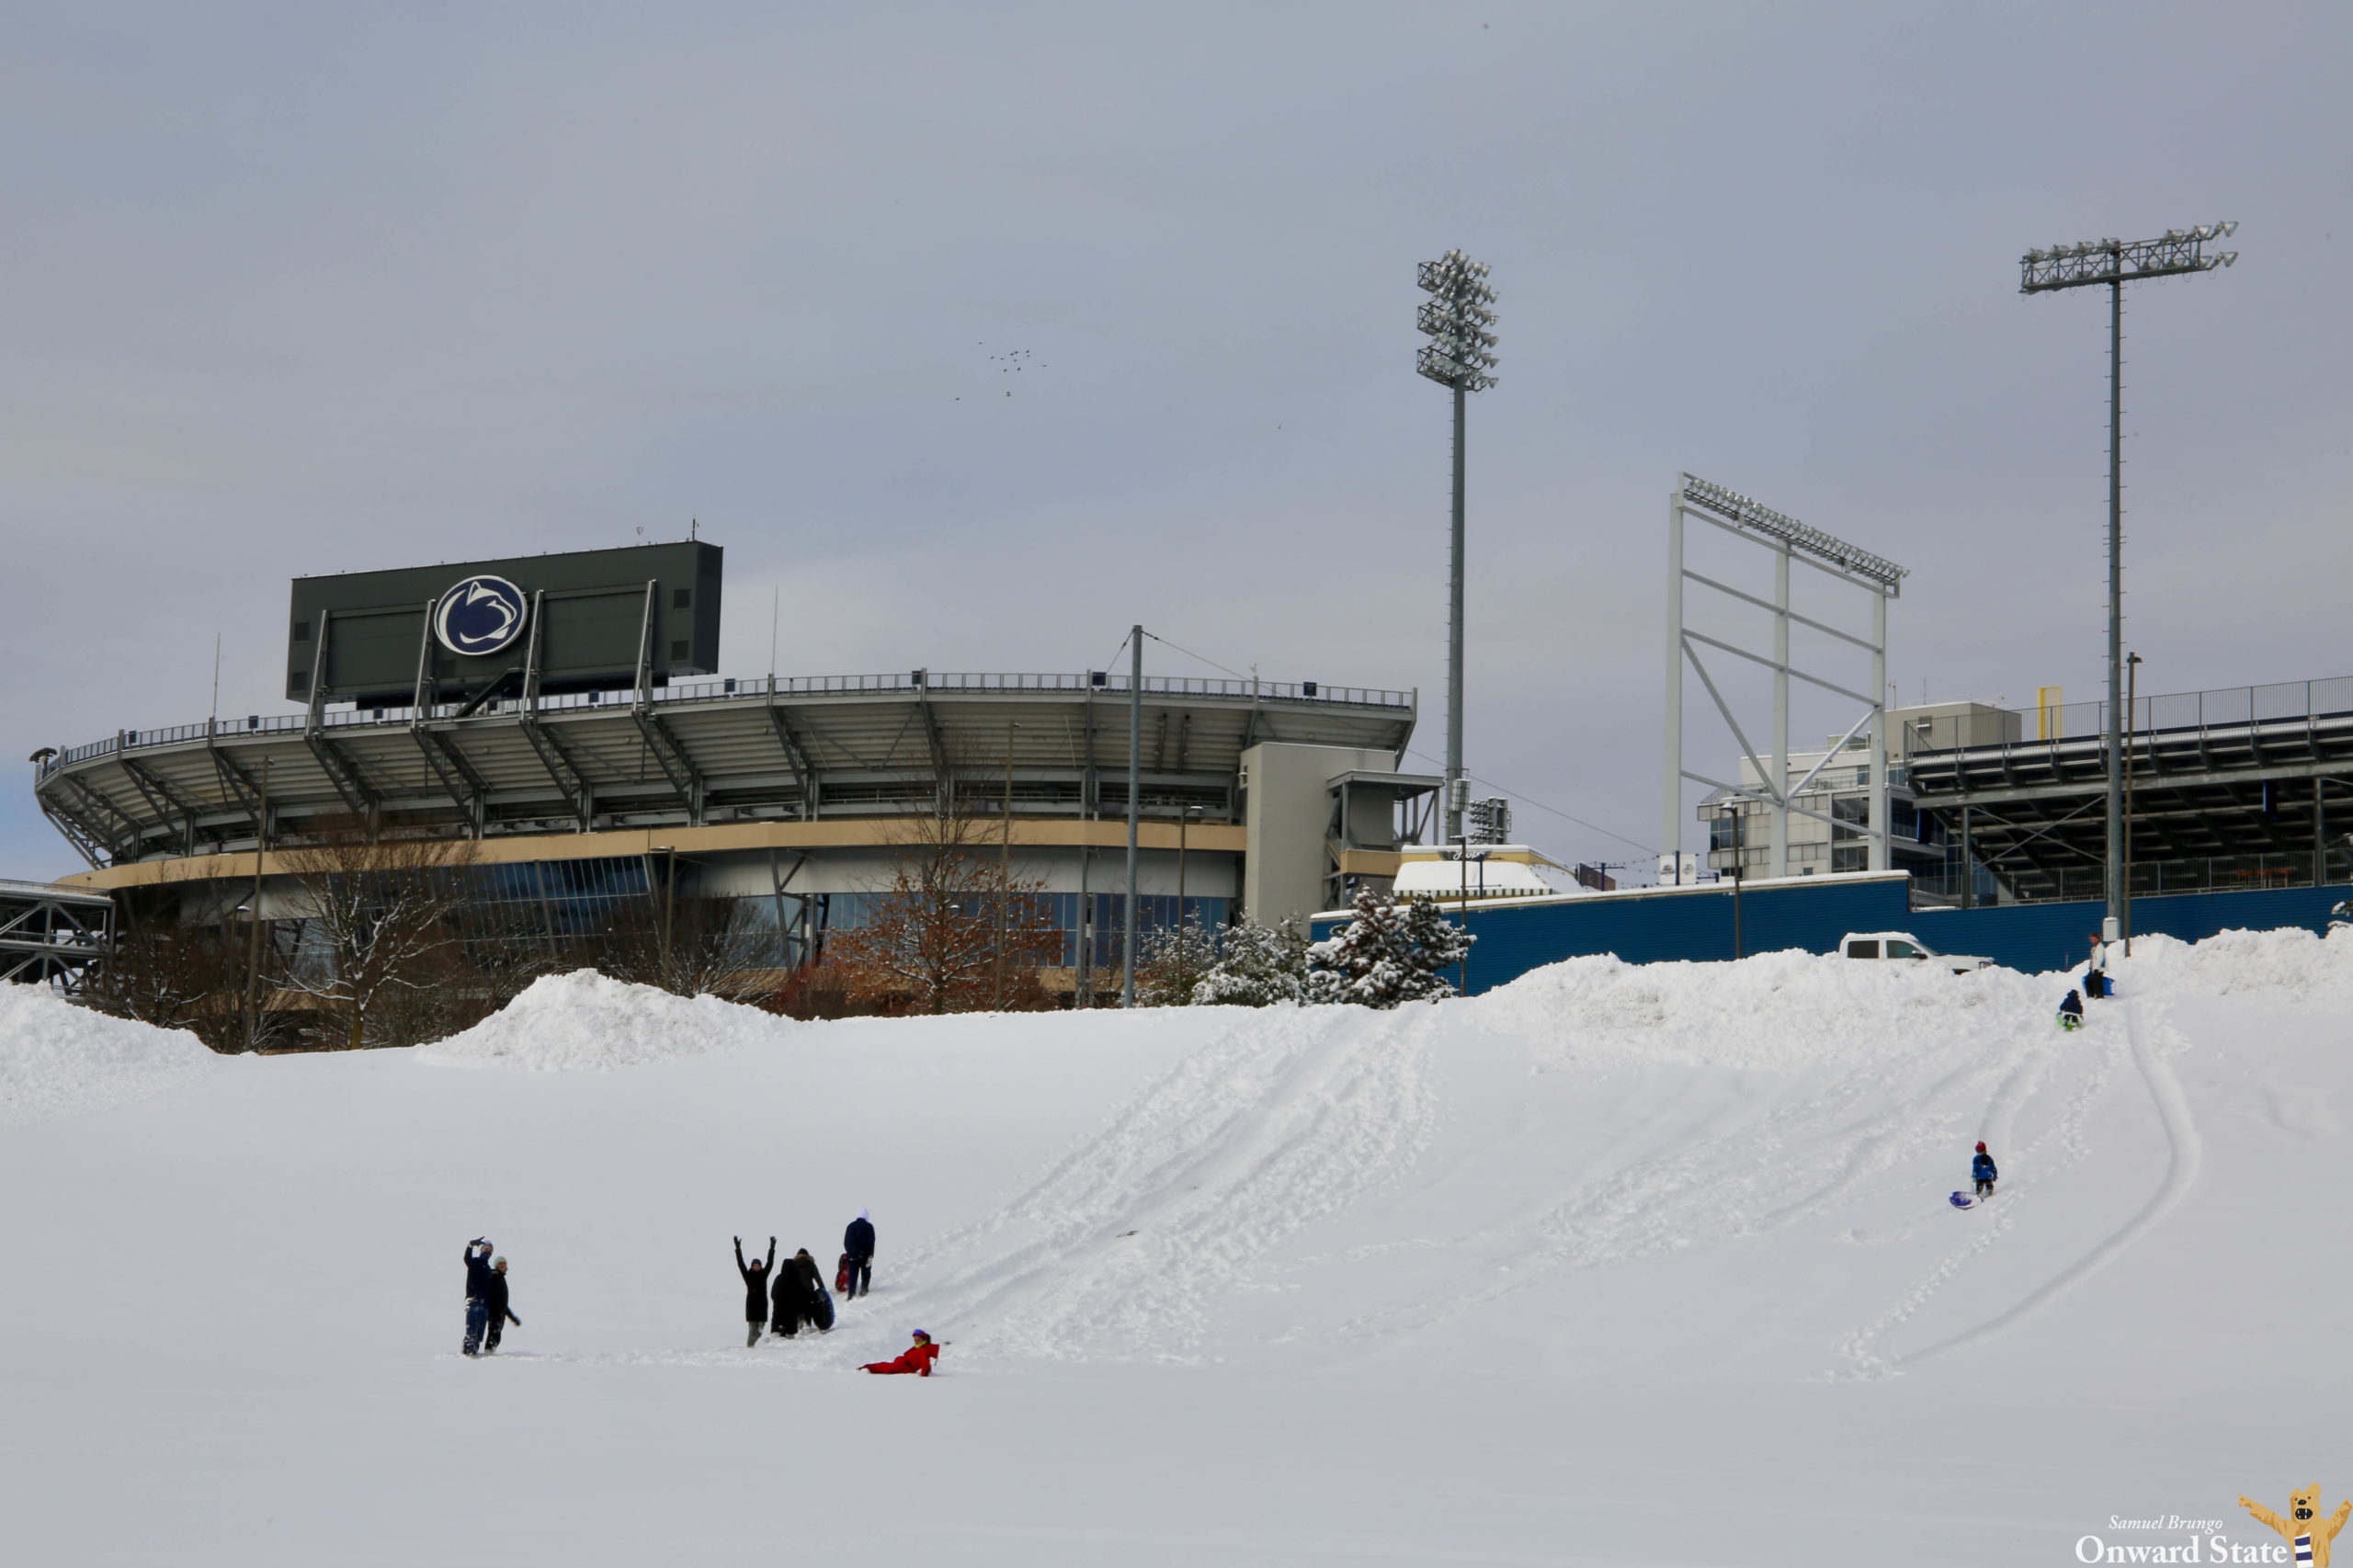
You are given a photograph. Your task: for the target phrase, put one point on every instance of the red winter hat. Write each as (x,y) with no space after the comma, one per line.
(1981,1148)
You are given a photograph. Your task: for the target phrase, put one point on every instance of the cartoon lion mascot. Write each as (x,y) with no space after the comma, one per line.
(2310,1539)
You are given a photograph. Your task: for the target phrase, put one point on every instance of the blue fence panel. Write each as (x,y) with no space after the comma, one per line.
(1660,924)
(2039,936)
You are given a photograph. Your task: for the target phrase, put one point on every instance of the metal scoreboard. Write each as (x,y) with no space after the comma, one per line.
(582,621)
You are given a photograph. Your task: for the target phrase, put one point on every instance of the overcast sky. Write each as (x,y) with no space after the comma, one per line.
(305,289)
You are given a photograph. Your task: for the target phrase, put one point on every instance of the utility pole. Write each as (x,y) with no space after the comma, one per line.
(1459,317)
(669,911)
(2114,263)
(2132,736)
(1004,877)
(1135,794)
(252,945)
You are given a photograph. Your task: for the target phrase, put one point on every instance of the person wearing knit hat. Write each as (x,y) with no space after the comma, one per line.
(916,1358)
(1982,1171)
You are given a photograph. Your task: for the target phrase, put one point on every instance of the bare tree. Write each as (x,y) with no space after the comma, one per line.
(382,907)
(209,977)
(690,945)
(1171,962)
(931,932)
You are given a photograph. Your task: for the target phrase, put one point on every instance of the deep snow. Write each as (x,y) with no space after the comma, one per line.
(1611,1265)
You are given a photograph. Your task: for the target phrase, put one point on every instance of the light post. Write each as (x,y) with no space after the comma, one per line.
(1004,878)
(2132,738)
(1739,804)
(1459,317)
(1135,792)
(252,945)
(2114,263)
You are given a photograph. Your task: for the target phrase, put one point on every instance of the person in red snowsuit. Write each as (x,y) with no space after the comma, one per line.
(916,1358)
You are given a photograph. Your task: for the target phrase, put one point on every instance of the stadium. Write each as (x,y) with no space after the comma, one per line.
(563,718)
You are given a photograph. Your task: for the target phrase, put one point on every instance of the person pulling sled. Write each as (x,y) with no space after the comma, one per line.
(800,1298)
(1982,1171)
(2071,1011)
(857,1270)
(916,1358)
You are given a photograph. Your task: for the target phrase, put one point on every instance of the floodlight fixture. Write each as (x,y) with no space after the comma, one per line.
(2175,252)
(1459,317)
(1759,518)
(2115,262)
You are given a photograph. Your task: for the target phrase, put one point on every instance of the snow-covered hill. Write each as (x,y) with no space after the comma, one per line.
(1612,1265)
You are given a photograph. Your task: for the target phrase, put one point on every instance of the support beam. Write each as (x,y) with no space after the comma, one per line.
(166,801)
(465,787)
(343,773)
(804,766)
(563,770)
(96,810)
(675,765)
(1670,840)
(87,842)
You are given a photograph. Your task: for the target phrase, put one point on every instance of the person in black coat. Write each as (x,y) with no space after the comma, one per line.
(755,1291)
(857,1263)
(496,1302)
(801,1297)
(477,1293)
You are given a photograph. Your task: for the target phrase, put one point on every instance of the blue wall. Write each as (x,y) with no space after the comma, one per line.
(1660,925)
(1652,925)
(2035,937)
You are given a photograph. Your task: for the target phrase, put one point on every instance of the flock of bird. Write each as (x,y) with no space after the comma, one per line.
(1013,361)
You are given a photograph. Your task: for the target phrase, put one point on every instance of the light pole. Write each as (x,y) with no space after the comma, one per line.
(1004,878)
(1739,804)
(1459,317)
(2115,262)
(1135,793)
(2131,737)
(253,944)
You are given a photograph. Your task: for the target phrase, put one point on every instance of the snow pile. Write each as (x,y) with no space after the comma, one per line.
(57,1059)
(587,1022)
(1786,1009)
(1353,1267)
(2292,965)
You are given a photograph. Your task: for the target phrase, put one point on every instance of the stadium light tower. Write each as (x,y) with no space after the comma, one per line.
(1459,317)
(2115,262)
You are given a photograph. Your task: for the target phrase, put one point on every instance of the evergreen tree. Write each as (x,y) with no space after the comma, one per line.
(1260,965)
(1390,953)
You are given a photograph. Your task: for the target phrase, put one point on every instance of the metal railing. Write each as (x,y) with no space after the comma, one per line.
(761,688)
(2296,701)
(2087,882)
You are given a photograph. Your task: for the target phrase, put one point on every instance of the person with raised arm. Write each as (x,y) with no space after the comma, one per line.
(756,1291)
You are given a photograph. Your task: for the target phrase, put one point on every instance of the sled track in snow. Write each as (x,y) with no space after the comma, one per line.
(2185,1154)
(1120,1249)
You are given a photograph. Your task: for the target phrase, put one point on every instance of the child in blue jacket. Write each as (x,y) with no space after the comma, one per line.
(1982,1171)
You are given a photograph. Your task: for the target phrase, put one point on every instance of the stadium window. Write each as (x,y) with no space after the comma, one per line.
(678,650)
(681,599)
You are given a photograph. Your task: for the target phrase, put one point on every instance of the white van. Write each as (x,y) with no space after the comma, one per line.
(1904,945)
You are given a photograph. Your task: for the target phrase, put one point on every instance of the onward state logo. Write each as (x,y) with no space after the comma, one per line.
(2304,1541)
(482,615)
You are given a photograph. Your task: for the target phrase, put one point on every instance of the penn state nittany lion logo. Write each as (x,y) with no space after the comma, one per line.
(2308,1534)
(482,615)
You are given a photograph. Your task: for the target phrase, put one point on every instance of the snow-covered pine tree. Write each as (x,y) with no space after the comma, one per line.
(1390,953)
(1259,966)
